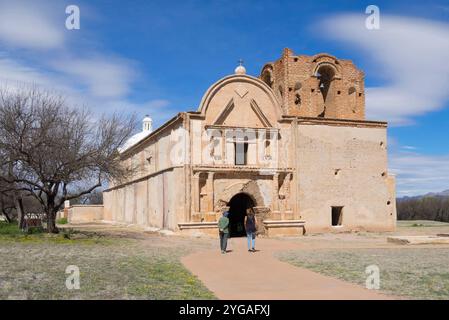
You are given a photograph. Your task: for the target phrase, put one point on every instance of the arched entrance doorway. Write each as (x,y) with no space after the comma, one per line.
(237,212)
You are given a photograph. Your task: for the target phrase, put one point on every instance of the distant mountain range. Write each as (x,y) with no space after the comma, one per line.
(443,194)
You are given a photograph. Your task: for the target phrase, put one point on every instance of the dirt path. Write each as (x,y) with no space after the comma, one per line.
(258,276)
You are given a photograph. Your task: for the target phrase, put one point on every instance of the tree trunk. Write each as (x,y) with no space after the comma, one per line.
(8,219)
(20,212)
(4,209)
(51,222)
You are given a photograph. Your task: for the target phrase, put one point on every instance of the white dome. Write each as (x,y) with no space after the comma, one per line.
(135,139)
(147,129)
(240,70)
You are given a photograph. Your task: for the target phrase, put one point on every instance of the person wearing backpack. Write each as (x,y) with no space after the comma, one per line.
(251,228)
(223,231)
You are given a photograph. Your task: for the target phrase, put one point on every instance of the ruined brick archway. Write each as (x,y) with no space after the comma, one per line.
(250,188)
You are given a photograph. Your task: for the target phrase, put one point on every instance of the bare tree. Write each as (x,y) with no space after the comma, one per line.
(55,152)
(95,197)
(424,208)
(10,200)
(7,206)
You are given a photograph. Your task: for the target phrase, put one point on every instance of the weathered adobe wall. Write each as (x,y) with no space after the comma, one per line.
(344,166)
(154,194)
(155,154)
(157,201)
(279,150)
(85,213)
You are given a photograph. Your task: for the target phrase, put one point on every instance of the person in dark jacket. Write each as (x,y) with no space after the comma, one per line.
(250,228)
(223,231)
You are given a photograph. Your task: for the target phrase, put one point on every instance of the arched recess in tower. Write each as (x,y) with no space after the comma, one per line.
(326,77)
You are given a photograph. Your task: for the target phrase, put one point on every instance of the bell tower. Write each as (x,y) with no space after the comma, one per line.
(319,86)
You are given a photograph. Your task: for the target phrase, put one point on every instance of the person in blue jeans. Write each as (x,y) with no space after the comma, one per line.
(250,228)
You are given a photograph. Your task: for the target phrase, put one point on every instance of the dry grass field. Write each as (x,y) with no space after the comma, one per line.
(408,271)
(123,263)
(113,265)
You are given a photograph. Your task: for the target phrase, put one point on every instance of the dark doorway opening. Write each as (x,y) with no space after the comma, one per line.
(237,212)
(337,216)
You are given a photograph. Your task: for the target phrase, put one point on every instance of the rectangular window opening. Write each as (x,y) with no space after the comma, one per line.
(337,216)
(241,153)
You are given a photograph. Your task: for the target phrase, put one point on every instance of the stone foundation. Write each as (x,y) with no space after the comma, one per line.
(279,228)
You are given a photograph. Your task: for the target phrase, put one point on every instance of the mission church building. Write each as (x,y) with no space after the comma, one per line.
(293,144)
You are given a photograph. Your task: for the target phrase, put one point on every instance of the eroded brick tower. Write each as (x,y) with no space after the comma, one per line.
(317,86)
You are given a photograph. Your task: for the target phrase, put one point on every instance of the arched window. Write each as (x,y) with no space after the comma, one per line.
(325,75)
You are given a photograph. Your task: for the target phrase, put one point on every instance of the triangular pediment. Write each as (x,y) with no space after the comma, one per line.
(224,113)
(246,113)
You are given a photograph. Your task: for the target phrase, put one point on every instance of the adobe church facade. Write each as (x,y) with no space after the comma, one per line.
(293,144)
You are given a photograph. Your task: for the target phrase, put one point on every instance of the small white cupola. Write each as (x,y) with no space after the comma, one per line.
(147,124)
(240,68)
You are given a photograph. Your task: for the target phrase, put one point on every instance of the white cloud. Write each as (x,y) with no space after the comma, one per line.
(419,174)
(113,97)
(409,147)
(410,54)
(104,77)
(15,73)
(28,25)
(99,80)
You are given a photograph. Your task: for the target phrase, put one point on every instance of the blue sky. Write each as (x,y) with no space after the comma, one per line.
(159,57)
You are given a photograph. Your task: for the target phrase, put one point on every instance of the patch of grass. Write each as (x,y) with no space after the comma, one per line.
(421,223)
(9,229)
(161,279)
(9,232)
(111,267)
(419,273)
(62,221)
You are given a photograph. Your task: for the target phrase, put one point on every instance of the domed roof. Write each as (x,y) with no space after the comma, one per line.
(147,129)
(135,139)
(147,118)
(240,70)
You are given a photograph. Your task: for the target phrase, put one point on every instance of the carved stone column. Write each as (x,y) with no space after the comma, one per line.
(285,197)
(287,191)
(275,188)
(210,191)
(196,192)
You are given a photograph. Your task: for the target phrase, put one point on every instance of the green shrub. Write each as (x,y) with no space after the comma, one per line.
(62,221)
(9,228)
(35,230)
